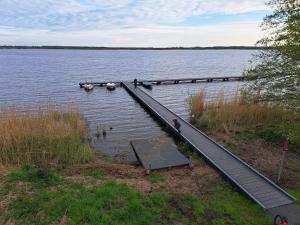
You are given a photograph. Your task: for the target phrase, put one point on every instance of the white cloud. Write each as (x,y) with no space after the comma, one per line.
(124,22)
(162,36)
(88,14)
(178,10)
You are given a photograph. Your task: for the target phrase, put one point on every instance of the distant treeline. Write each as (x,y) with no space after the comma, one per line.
(128,48)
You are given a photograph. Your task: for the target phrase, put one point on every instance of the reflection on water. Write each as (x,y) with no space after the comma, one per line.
(34,77)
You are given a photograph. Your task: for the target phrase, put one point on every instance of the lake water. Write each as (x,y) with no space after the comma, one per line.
(37,77)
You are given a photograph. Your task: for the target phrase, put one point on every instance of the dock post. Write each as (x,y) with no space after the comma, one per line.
(190,161)
(149,169)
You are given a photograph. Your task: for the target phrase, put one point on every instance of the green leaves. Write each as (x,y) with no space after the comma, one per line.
(276,75)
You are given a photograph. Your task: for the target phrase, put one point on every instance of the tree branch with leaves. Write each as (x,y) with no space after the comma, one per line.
(275,76)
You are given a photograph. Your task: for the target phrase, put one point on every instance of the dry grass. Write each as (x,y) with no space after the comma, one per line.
(233,114)
(197,106)
(43,136)
(254,132)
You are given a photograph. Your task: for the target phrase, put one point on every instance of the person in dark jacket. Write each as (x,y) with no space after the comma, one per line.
(177,125)
(135,82)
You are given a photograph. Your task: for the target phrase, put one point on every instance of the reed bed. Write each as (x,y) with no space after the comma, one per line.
(46,136)
(235,113)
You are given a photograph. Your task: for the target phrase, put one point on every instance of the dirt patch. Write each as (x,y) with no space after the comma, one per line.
(199,180)
(265,157)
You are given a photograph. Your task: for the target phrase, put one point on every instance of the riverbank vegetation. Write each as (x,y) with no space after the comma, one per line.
(269,121)
(49,175)
(46,137)
(123,195)
(254,131)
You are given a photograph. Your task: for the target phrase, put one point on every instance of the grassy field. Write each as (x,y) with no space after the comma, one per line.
(49,175)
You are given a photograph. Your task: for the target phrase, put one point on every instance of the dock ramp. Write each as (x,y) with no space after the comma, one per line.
(258,187)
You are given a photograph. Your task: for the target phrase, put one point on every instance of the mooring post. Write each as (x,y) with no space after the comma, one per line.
(285,148)
(149,169)
(281,166)
(190,161)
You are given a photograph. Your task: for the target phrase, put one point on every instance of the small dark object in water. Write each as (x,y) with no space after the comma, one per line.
(104,133)
(110,128)
(98,132)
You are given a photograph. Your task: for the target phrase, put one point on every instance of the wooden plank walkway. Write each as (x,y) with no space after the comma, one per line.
(259,188)
(171,81)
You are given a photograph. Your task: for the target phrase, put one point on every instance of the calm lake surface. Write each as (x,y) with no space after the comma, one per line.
(38,77)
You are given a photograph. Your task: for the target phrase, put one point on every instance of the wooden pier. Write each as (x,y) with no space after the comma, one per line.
(171,81)
(255,185)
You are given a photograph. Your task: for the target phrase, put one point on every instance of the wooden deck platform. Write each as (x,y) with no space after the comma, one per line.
(158,153)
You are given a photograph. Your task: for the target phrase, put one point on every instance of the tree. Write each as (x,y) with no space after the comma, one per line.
(275,76)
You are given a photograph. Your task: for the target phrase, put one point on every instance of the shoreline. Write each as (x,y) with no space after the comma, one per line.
(133,48)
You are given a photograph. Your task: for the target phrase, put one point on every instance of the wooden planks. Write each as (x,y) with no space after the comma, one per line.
(158,153)
(254,184)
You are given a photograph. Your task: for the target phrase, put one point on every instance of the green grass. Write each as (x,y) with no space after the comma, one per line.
(38,177)
(156,178)
(295,193)
(55,199)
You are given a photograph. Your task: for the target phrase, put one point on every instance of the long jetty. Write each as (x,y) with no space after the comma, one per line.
(171,81)
(254,184)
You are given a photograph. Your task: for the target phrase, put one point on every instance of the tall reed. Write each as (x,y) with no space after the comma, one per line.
(197,106)
(234,113)
(45,136)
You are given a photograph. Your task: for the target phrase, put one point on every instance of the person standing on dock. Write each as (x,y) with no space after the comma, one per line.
(177,125)
(135,82)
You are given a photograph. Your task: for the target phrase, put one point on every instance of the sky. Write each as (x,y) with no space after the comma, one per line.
(131,23)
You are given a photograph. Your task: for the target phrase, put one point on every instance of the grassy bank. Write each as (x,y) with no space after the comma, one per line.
(52,177)
(47,137)
(29,198)
(253,131)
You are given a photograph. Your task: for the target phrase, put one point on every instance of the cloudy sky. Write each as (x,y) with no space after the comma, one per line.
(140,23)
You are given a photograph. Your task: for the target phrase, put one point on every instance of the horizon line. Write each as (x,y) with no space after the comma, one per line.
(125,48)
